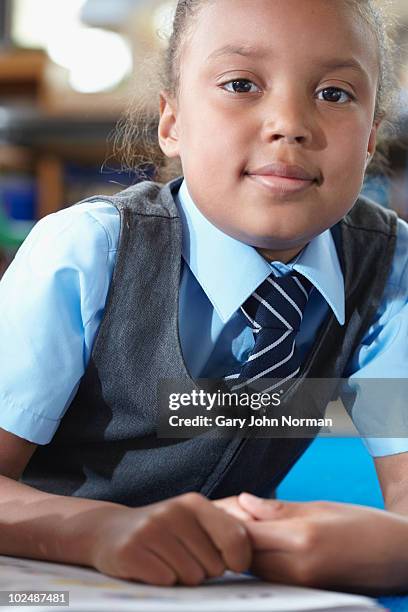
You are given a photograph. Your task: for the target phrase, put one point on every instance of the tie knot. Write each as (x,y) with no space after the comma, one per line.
(279,302)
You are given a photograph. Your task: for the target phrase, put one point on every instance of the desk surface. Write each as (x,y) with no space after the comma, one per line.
(395,604)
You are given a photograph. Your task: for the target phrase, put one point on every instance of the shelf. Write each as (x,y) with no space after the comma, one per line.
(45,127)
(22,65)
(30,127)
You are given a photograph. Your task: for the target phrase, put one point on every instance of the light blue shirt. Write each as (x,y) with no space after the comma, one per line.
(53,295)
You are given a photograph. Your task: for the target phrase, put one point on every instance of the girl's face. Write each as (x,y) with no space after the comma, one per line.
(281,83)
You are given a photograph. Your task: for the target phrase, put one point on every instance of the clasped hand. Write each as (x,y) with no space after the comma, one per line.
(187,539)
(324,544)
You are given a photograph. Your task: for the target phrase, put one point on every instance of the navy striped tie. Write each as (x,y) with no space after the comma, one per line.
(274,312)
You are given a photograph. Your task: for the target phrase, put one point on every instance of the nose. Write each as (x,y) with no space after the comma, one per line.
(289,121)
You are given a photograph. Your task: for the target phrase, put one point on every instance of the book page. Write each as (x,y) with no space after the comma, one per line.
(91,590)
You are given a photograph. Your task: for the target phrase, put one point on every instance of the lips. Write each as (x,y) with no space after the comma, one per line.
(283,180)
(285,171)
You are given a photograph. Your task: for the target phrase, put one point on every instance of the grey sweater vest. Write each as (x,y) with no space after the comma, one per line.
(106,446)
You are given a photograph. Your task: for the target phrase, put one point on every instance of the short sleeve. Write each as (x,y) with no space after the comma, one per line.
(375,403)
(52,299)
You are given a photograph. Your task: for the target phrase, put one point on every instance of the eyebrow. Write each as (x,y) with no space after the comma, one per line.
(244,50)
(344,63)
(260,52)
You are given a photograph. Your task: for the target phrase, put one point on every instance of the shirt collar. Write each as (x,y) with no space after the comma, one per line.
(229,270)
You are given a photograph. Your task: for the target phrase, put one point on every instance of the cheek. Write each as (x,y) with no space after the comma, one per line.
(214,156)
(214,130)
(344,164)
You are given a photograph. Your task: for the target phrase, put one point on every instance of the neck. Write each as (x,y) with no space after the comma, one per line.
(283,256)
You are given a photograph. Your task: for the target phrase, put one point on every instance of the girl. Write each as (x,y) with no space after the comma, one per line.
(273,110)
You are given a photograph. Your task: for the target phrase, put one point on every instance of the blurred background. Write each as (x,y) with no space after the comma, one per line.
(68,70)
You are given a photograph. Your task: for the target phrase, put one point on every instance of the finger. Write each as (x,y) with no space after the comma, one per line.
(149,568)
(266,509)
(175,555)
(232,506)
(285,535)
(228,534)
(195,539)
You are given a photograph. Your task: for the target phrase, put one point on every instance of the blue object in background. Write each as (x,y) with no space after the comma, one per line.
(109,13)
(335,469)
(19,196)
(377,188)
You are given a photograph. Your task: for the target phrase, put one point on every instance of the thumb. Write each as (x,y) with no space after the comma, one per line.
(231,505)
(268,509)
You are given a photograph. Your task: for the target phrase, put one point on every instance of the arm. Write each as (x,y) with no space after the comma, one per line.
(185,539)
(61,276)
(35,524)
(392,474)
(376,390)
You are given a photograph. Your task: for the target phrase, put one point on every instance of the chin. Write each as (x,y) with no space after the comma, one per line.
(275,239)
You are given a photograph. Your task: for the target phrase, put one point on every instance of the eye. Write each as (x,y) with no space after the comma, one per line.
(240,86)
(335,94)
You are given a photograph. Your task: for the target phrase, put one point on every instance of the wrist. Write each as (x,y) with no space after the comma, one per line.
(395,553)
(84,531)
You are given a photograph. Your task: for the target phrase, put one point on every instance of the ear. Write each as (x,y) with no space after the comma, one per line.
(372,141)
(167,131)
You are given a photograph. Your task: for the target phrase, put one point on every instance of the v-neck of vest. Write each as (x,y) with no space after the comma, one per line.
(305,367)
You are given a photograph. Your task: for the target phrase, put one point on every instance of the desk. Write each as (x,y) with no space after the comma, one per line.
(395,604)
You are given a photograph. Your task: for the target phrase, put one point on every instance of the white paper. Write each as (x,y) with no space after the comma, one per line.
(91,591)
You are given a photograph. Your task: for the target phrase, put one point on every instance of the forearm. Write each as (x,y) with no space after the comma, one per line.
(392,473)
(396,499)
(398,506)
(39,525)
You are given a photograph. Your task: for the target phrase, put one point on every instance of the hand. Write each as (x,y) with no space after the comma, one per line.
(234,508)
(183,540)
(327,545)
